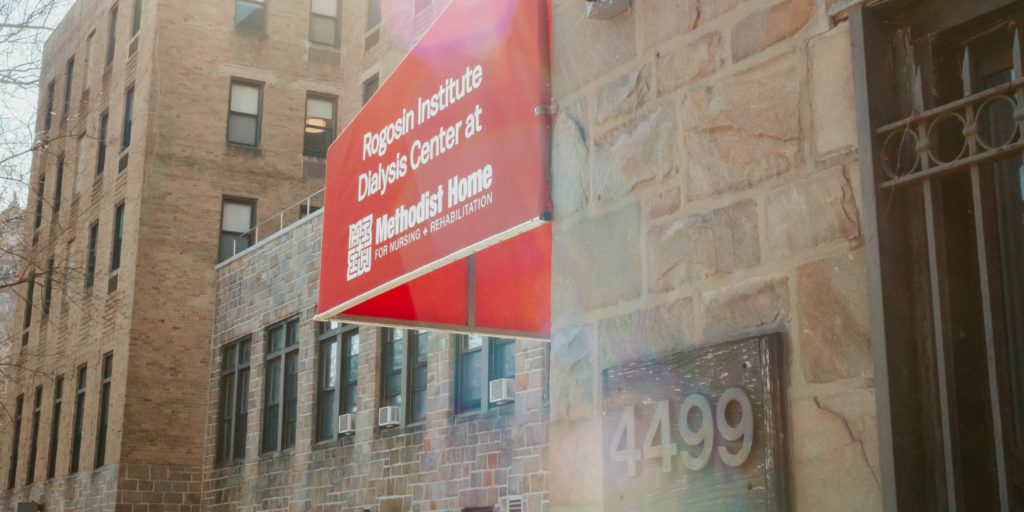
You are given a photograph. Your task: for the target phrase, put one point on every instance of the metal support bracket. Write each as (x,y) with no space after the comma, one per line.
(606,9)
(545,110)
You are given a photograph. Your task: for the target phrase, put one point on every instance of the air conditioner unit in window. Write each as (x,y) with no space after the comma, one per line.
(389,416)
(503,391)
(346,424)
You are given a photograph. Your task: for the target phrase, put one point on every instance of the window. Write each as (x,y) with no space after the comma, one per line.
(237,218)
(101,157)
(33,448)
(101,430)
(372,14)
(67,87)
(320,113)
(13,466)
(418,359)
(112,35)
(48,112)
(58,395)
(90,264)
(480,360)
(80,167)
(136,17)
(421,5)
(282,379)
(234,401)
(48,288)
(946,257)
(76,440)
(129,103)
(250,15)
(60,184)
(339,375)
(323,22)
(305,211)
(90,45)
(370,88)
(115,254)
(40,192)
(391,370)
(29,300)
(404,372)
(244,116)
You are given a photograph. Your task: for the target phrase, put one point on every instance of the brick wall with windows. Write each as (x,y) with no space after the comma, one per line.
(139,113)
(443,460)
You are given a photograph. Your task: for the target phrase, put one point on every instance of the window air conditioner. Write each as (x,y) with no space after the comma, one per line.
(346,424)
(503,391)
(389,416)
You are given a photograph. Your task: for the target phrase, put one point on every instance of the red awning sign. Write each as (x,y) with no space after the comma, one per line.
(448,157)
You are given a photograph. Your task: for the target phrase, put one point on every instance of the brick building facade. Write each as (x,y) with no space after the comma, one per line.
(145,149)
(447,461)
(717,174)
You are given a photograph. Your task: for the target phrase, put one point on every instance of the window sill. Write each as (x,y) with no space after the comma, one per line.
(343,441)
(252,34)
(239,149)
(324,46)
(269,456)
(226,466)
(491,413)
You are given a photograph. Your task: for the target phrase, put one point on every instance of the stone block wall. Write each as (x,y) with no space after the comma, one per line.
(705,166)
(449,462)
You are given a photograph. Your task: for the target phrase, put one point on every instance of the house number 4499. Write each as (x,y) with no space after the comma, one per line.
(705,435)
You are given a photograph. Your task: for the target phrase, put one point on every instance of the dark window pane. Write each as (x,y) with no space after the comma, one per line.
(291,395)
(316,142)
(227,408)
(111,35)
(69,80)
(228,359)
(327,403)
(370,88)
(115,256)
(351,371)
(470,376)
(293,334)
(242,129)
(48,116)
(58,190)
(90,267)
(243,353)
(274,382)
(503,359)
(129,105)
(137,17)
(101,158)
(270,429)
(241,413)
(276,339)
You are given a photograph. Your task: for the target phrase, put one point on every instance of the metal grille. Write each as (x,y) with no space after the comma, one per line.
(917,136)
(978,135)
(515,504)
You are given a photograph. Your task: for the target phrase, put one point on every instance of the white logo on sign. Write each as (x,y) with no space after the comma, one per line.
(359,247)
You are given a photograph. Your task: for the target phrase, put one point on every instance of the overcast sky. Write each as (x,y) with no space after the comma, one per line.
(17,104)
